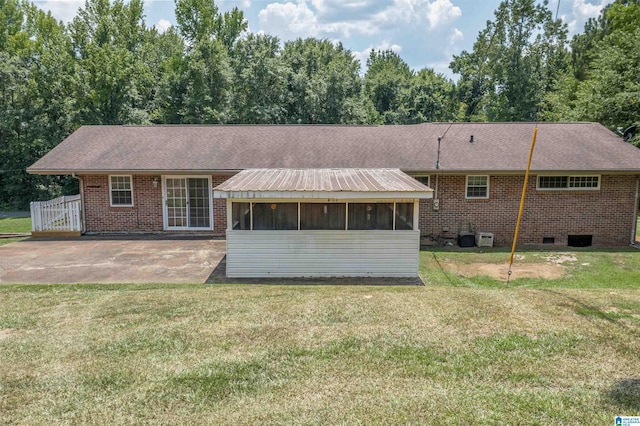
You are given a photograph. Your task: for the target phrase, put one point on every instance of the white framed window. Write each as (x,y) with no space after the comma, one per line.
(121,191)
(423,179)
(559,182)
(477,186)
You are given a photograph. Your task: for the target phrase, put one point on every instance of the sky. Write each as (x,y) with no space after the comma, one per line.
(425,33)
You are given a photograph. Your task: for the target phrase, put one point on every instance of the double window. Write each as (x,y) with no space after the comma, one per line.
(121,191)
(554,182)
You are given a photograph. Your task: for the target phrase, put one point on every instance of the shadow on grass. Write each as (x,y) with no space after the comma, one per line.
(625,394)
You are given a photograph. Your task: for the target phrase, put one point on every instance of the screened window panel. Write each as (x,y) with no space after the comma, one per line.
(404,216)
(275,216)
(241,216)
(322,216)
(371,216)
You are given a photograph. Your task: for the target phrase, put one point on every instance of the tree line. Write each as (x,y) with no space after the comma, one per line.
(107,66)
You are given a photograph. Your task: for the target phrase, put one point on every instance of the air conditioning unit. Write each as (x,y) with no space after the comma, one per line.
(484,239)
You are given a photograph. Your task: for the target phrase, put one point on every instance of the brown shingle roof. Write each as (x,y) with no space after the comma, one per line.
(497,147)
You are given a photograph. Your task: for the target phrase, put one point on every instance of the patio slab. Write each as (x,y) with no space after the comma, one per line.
(110,260)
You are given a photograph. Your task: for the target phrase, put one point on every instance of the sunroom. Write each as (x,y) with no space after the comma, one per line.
(322,223)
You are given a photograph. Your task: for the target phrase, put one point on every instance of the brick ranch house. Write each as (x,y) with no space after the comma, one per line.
(583,187)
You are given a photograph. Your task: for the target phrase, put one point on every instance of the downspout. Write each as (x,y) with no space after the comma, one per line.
(634,224)
(82,215)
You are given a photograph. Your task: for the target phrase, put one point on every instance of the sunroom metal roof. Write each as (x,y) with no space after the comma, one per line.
(323,184)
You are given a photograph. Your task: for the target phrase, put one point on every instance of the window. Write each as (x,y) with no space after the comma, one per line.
(568,182)
(275,216)
(370,215)
(322,215)
(477,187)
(404,216)
(241,216)
(121,190)
(423,179)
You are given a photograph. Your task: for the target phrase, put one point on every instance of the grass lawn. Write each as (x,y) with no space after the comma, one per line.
(14,226)
(456,351)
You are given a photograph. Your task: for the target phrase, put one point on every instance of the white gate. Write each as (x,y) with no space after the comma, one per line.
(61,214)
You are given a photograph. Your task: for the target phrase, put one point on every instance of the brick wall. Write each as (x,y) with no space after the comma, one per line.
(606,214)
(146,213)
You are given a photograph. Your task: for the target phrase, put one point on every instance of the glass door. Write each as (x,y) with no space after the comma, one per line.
(187,203)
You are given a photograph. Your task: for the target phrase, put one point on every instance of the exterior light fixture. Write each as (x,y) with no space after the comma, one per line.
(155,182)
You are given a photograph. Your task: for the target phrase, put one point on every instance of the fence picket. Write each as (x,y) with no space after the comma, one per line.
(59,214)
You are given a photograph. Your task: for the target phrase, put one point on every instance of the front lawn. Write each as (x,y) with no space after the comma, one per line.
(198,354)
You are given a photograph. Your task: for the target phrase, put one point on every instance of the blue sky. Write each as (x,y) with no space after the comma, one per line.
(425,33)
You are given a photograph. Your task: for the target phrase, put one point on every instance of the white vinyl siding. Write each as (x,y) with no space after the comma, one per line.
(565,182)
(477,187)
(120,191)
(323,253)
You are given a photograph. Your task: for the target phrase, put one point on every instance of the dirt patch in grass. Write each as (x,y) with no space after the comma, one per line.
(499,270)
(6,333)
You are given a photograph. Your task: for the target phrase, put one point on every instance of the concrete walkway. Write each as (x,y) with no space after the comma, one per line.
(110,260)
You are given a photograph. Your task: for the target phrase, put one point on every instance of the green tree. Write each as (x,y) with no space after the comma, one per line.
(115,84)
(431,97)
(36,92)
(387,84)
(323,83)
(514,63)
(611,92)
(260,81)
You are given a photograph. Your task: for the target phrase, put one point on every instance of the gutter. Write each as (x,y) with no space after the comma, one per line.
(82,209)
(635,216)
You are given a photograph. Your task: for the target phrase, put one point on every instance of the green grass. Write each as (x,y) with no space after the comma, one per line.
(586,268)
(198,354)
(16,225)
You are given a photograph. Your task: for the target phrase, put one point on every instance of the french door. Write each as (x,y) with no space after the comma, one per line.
(187,202)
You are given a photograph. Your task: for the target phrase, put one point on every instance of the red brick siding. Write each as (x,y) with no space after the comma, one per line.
(146,213)
(606,214)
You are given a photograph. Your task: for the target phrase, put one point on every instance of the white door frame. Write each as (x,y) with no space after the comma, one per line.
(165,212)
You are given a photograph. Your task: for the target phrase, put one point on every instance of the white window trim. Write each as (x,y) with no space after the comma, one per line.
(111,191)
(568,179)
(466,188)
(165,218)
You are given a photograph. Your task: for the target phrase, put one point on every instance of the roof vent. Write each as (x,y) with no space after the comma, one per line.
(471,139)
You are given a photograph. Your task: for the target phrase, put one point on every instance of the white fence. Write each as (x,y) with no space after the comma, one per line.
(60,214)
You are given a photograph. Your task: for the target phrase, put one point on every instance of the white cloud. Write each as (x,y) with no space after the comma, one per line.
(163,25)
(289,20)
(63,10)
(345,18)
(456,36)
(441,12)
(581,11)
